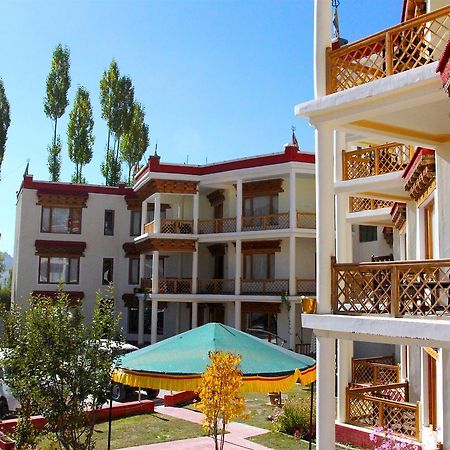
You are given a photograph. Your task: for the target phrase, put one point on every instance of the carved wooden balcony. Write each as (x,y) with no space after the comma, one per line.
(223,225)
(358,204)
(278,221)
(306,220)
(375,371)
(414,43)
(264,287)
(171,226)
(216,286)
(306,286)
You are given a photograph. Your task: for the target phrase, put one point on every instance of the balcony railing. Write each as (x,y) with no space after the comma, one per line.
(306,286)
(406,288)
(171,226)
(374,371)
(372,161)
(224,225)
(216,286)
(376,406)
(278,221)
(306,220)
(414,43)
(169,285)
(358,204)
(264,287)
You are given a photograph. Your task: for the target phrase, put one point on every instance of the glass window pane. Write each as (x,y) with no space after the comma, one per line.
(135,228)
(45,223)
(107,271)
(73,275)
(75,220)
(60,220)
(43,270)
(261,206)
(108,226)
(134,271)
(248,207)
(59,270)
(260,267)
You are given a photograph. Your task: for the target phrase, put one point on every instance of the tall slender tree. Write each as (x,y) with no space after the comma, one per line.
(56,101)
(5,121)
(79,133)
(135,141)
(108,87)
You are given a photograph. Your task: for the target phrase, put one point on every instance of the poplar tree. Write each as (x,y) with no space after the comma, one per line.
(135,141)
(79,133)
(5,121)
(55,103)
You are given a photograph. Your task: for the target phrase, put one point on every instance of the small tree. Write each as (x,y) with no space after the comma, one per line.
(79,133)
(5,121)
(56,101)
(60,366)
(219,392)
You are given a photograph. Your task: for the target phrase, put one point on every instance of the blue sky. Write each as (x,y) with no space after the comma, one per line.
(218,78)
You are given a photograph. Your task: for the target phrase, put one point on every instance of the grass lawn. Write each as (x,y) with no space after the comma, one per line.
(139,430)
(280,441)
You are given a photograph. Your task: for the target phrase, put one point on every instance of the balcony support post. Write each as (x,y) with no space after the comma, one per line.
(141,307)
(292,200)
(237,314)
(425,418)
(238,267)
(155,272)
(144,215)
(292,324)
(142,268)
(195,269)
(195,212)
(325,414)
(154,322)
(443,395)
(157,213)
(345,355)
(292,255)
(322,40)
(194,315)
(239,206)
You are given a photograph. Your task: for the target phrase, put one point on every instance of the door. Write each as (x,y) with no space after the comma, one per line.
(429,210)
(432,394)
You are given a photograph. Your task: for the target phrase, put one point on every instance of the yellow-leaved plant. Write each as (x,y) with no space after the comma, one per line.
(220,398)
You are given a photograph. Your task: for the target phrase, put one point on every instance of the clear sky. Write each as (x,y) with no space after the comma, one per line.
(218,78)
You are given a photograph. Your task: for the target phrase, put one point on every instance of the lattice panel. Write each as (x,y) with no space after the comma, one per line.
(385,374)
(402,421)
(216,286)
(306,287)
(358,204)
(175,226)
(425,291)
(363,373)
(264,287)
(306,220)
(175,286)
(362,412)
(269,222)
(225,225)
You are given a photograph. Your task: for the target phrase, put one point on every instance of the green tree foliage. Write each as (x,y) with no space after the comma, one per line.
(56,101)
(135,141)
(5,121)
(60,366)
(117,99)
(79,133)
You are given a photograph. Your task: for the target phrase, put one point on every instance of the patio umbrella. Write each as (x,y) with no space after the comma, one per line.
(177,363)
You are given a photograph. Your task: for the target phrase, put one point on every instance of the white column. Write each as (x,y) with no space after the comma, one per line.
(237,314)
(420,234)
(292,200)
(292,325)
(141,267)
(324,207)
(345,355)
(411,231)
(292,277)
(157,214)
(177,318)
(443,396)
(141,319)
(238,268)
(195,212)
(403,362)
(144,215)
(194,315)
(239,205)
(322,40)
(154,322)
(425,419)
(325,415)
(155,272)
(195,269)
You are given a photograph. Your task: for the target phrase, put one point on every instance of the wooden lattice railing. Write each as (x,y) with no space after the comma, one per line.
(379,406)
(306,220)
(278,221)
(149,227)
(175,285)
(177,226)
(374,371)
(372,161)
(216,286)
(357,204)
(306,286)
(224,225)
(264,287)
(398,288)
(413,43)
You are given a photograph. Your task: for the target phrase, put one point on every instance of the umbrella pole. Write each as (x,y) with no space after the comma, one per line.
(311,415)
(110,417)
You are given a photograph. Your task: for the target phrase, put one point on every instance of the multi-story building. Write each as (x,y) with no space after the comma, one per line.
(231,242)
(383,90)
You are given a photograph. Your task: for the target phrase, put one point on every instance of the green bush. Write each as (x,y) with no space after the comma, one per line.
(293,418)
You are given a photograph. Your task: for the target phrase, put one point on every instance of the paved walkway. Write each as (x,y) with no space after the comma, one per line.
(234,440)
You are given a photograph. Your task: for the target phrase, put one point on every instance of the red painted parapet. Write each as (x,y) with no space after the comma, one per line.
(179,398)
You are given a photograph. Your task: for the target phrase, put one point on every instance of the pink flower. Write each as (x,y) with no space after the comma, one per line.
(372,437)
(297,434)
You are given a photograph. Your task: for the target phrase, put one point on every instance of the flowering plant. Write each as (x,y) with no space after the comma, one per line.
(388,442)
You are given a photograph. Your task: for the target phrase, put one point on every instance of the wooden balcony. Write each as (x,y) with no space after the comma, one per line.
(373,161)
(375,371)
(306,286)
(216,286)
(171,226)
(397,288)
(264,287)
(306,220)
(359,204)
(169,285)
(278,221)
(224,225)
(413,43)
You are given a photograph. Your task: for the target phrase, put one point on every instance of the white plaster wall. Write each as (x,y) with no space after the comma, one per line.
(363,251)
(443,201)
(372,349)
(305,258)
(306,194)
(283,197)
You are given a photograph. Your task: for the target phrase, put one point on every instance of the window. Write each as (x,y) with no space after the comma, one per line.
(259,266)
(108,226)
(107,271)
(367,233)
(260,206)
(133,270)
(135,223)
(55,269)
(61,220)
(260,322)
(133,319)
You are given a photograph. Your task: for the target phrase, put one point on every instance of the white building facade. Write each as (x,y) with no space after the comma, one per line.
(383,91)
